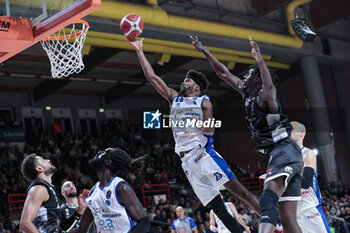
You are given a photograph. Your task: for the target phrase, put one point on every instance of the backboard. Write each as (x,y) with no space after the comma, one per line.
(25,22)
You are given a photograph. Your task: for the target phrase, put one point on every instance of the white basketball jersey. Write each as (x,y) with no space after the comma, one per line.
(109,214)
(221,227)
(183,111)
(310,197)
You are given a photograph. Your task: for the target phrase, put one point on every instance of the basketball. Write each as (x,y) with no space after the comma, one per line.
(131,25)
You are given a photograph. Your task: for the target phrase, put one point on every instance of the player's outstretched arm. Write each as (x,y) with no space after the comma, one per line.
(37,195)
(127,197)
(267,96)
(218,67)
(239,218)
(212,222)
(309,169)
(155,80)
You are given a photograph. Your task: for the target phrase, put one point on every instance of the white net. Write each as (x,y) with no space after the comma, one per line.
(64,49)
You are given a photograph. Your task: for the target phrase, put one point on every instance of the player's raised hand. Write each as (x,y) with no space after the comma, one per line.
(136,44)
(197,43)
(263,177)
(81,201)
(255,50)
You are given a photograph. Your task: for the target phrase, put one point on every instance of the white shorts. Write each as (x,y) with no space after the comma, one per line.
(207,172)
(313,220)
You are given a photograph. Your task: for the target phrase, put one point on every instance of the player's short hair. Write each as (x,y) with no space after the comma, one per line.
(121,161)
(256,71)
(198,78)
(297,126)
(64,184)
(28,167)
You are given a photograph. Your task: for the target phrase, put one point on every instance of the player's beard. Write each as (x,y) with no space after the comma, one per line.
(51,170)
(184,90)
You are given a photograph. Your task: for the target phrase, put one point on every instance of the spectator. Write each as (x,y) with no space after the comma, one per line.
(2,229)
(336,222)
(183,224)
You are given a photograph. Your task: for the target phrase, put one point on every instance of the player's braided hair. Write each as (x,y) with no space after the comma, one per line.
(274,76)
(121,161)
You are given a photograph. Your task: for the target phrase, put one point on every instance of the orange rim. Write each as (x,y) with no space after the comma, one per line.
(72,35)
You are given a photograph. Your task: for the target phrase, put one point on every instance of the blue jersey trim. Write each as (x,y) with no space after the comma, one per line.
(210,141)
(132,223)
(192,223)
(220,161)
(91,191)
(324,218)
(116,192)
(317,190)
(204,99)
(107,184)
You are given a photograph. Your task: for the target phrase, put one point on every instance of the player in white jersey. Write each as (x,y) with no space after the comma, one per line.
(205,169)
(310,215)
(113,204)
(220,226)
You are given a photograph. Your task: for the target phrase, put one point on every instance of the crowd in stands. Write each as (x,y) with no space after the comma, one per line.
(70,154)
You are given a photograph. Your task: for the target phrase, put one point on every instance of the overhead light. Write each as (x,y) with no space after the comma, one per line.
(48,108)
(101,110)
(302,30)
(315,151)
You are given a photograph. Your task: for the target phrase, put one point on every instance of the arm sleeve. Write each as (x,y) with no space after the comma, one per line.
(192,224)
(172,226)
(306,179)
(142,226)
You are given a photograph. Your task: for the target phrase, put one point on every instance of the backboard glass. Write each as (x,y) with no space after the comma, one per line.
(46,17)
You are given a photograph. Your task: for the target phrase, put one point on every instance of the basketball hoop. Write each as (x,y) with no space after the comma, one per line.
(64,49)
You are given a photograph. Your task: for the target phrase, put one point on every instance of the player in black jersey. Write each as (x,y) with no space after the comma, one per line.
(270,131)
(69,192)
(41,210)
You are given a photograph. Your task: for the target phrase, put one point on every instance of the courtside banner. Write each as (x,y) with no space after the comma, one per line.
(12,135)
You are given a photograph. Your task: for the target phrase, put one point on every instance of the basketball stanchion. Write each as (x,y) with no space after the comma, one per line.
(64,49)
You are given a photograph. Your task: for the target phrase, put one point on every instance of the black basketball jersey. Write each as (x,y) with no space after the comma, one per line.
(267,129)
(66,213)
(48,217)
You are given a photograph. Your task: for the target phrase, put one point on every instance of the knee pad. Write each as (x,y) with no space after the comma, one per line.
(268,207)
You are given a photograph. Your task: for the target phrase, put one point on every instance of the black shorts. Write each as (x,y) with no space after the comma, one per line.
(286,159)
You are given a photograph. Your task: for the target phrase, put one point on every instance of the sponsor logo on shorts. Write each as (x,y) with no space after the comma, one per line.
(218,176)
(313,216)
(288,169)
(199,157)
(264,217)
